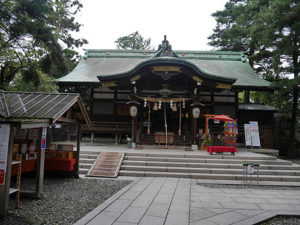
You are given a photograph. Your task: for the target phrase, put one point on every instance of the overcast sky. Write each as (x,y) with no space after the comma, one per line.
(187,23)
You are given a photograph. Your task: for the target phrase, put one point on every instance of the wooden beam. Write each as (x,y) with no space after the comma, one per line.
(33,125)
(67,120)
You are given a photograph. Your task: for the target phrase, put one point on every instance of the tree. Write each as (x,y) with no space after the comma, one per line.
(268,32)
(36,35)
(133,41)
(278,29)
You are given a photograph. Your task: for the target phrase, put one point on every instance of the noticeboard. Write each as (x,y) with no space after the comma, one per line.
(255,140)
(247,130)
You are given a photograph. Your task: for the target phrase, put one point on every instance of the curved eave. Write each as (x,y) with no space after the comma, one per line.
(77,83)
(165,61)
(253,88)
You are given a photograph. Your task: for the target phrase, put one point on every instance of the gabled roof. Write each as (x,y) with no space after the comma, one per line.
(111,63)
(28,106)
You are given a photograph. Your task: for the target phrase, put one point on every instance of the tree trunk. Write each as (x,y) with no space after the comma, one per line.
(291,147)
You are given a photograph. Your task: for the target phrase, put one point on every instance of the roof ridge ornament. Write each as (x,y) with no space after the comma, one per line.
(165,49)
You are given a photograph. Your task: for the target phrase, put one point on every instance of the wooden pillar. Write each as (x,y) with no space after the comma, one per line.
(115,108)
(236,95)
(134,130)
(194,128)
(179,127)
(116,138)
(92,101)
(4,189)
(212,99)
(77,154)
(206,127)
(40,171)
(149,118)
(247,96)
(92,137)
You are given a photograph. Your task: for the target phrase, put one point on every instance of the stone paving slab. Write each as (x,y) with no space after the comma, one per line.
(171,201)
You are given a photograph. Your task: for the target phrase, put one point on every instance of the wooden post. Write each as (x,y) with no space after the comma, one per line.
(179,128)
(40,171)
(166,125)
(212,99)
(92,137)
(206,127)
(92,101)
(77,155)
(149,111)
(247,96)
(133,131)
(194,125)
(236,97)
(116,138)
(4,189)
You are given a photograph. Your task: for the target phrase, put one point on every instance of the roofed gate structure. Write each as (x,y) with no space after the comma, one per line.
(165,85)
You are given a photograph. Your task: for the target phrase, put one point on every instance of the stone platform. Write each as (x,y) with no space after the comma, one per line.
(172,201)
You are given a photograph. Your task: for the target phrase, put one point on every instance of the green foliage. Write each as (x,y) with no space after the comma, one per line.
(207,142)
(133,41)
(46,84)
(37,35)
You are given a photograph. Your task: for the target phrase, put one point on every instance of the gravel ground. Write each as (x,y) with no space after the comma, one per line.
(65,199)
(280,220)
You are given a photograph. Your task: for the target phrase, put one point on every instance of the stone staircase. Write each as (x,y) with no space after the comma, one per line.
(210,167)
(87,160)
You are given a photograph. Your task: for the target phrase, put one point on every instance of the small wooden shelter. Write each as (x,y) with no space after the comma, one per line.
(28,110)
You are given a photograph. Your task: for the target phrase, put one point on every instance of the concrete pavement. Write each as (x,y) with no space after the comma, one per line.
(172,201)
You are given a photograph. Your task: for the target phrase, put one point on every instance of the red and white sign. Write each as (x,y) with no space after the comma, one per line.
(44,137)
(4,140)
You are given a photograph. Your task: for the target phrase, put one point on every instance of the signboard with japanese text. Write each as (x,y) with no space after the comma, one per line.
(247,129)
(255,141)
(4,142)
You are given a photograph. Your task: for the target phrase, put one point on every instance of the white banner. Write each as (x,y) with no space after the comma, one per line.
(247,130)
(4,141)
(255,140)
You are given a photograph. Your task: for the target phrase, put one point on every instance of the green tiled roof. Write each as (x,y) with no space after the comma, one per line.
(215,64)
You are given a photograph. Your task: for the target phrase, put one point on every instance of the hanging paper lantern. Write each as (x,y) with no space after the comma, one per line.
(133,111)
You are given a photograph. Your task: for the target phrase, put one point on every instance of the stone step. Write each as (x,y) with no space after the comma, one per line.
(208,170)
(86,161)
(85,165)
(83,171)
(207,176)
(207,165)
(90,152)
(88,156)
(202,160)
(218,156)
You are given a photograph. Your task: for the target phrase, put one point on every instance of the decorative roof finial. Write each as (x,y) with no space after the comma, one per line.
(165,49)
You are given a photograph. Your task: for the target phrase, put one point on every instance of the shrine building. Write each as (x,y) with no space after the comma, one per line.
(165,85)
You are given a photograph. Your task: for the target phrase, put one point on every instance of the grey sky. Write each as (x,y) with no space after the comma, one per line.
(187,24)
